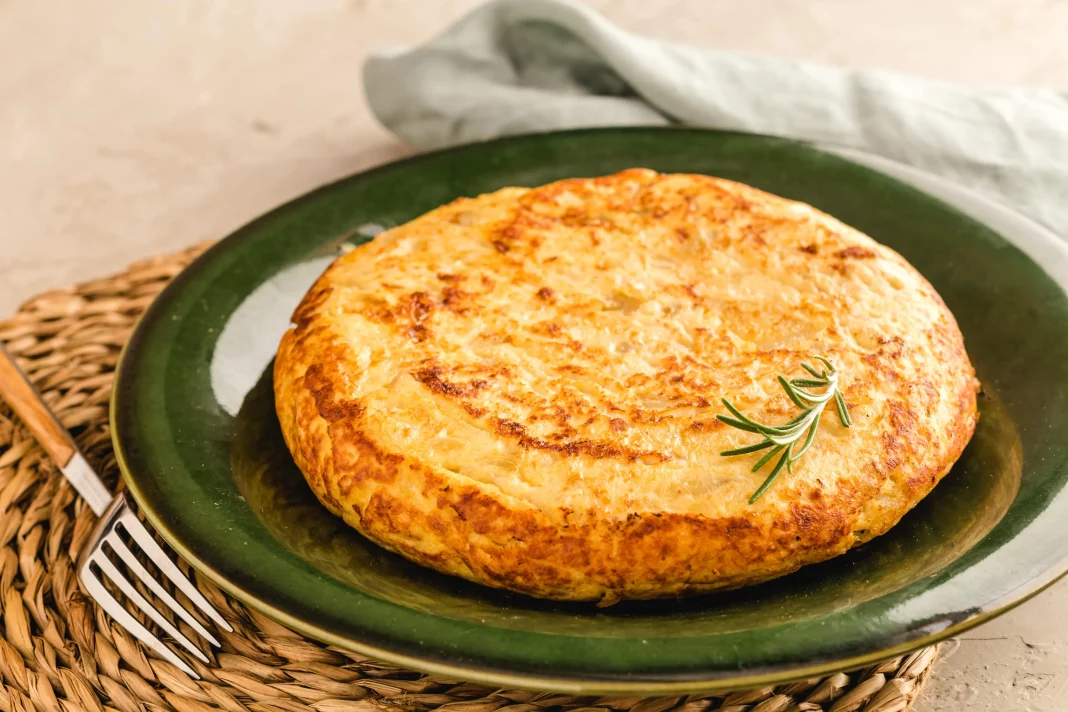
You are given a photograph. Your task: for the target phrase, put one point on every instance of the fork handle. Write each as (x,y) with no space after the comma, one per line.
(28,404)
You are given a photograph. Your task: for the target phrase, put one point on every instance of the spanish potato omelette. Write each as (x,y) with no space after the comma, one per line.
(521,388)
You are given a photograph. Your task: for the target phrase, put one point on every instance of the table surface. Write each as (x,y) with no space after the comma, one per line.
(133,127)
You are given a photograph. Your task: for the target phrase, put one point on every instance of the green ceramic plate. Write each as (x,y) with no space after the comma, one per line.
(201,451)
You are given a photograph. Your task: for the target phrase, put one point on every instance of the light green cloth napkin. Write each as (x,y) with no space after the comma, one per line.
(518,66)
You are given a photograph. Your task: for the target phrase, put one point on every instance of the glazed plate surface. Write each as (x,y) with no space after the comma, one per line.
(200,447)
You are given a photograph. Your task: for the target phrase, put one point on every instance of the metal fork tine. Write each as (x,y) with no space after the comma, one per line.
(137,530)
(114,609)
(149,580)
(141,602)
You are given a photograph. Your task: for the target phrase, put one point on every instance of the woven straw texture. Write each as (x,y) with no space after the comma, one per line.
(60,652)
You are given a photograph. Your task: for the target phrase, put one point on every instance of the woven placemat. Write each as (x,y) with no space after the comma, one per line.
(59,651)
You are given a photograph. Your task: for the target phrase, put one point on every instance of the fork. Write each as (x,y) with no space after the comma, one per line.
(114,514)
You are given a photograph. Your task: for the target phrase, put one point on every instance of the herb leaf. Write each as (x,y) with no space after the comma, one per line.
(748,449)
(784,438)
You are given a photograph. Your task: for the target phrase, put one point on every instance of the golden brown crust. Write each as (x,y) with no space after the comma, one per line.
(521,388)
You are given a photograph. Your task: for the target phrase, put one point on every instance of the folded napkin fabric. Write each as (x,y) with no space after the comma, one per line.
(521,66)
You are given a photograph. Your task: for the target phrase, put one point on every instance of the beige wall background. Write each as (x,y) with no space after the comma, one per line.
(132,127)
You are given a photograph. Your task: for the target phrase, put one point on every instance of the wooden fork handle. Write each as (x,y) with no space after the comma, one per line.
(16,389)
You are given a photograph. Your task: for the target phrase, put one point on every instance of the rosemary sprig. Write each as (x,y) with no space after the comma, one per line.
(783,439)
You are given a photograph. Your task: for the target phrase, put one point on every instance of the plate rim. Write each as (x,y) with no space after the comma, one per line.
(586,683)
